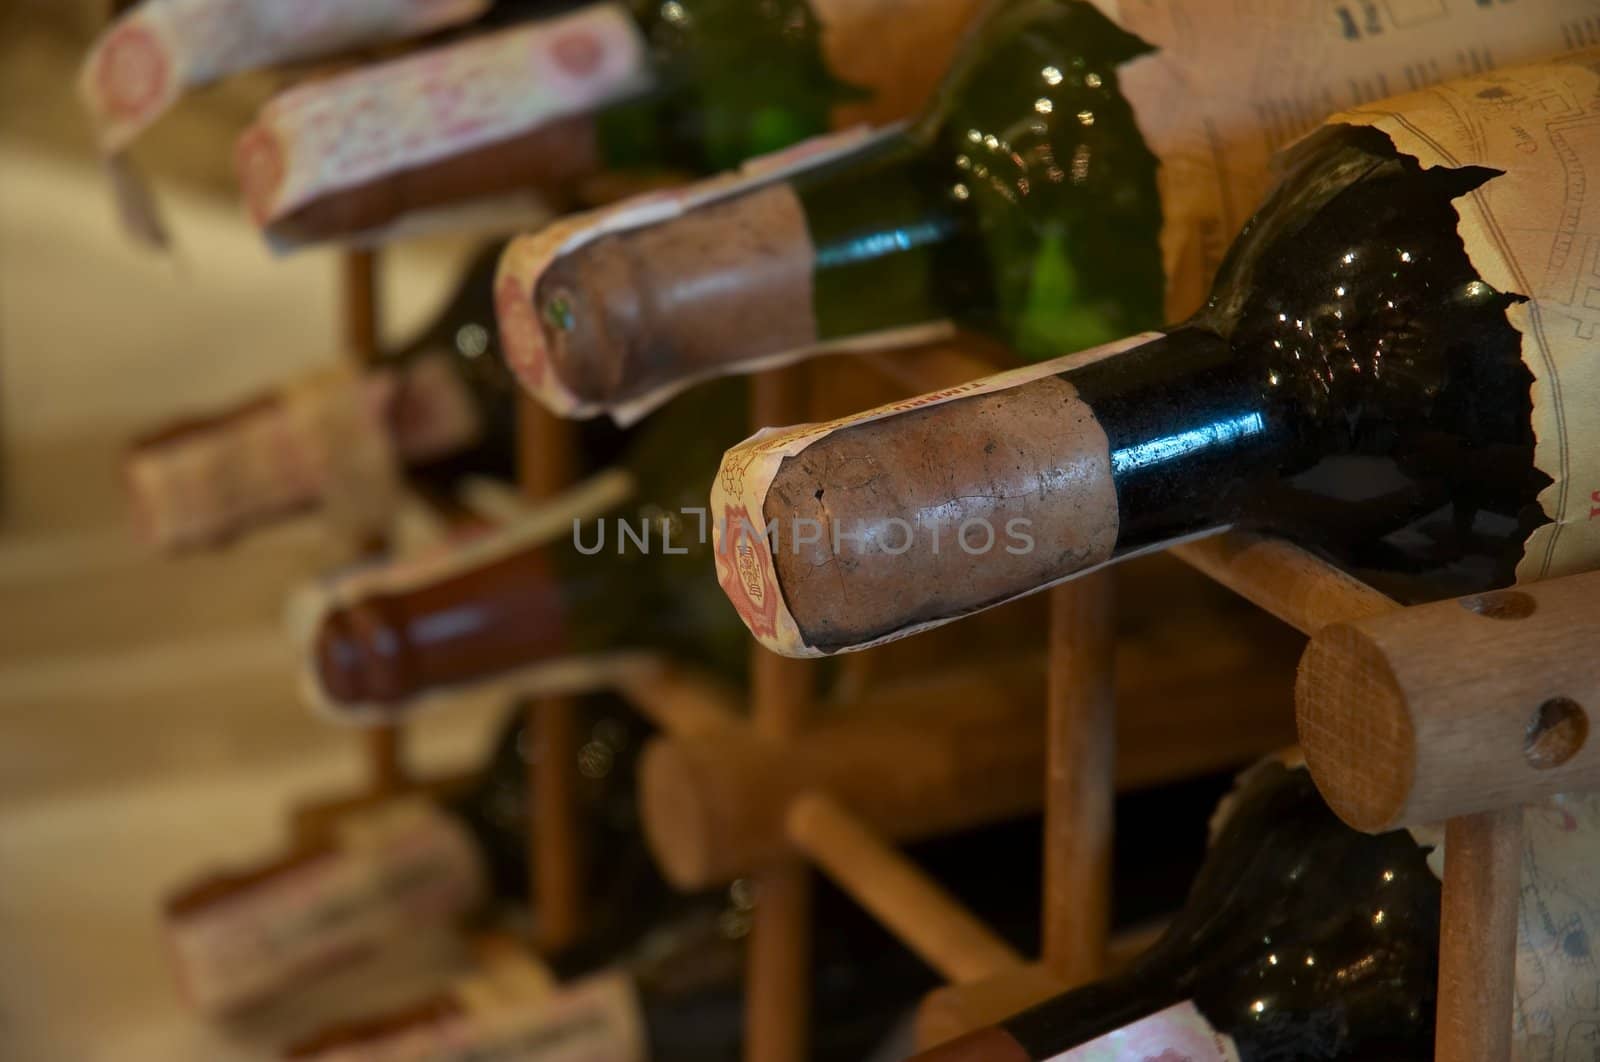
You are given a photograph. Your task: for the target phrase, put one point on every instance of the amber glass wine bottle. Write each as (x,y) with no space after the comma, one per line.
(1378,374)
(632,573)
(1035,200)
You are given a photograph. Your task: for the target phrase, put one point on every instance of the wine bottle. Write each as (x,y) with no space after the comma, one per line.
(1302,938)
(691,86)
(1056,194)
(677,994)
(549,600)
(442,405)
(1388,370)
(404,865)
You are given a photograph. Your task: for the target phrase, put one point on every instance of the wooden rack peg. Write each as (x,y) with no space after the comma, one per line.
(360,310)
(782,690)
(897,892)
(1080,779)
(546,460)
(1456,707)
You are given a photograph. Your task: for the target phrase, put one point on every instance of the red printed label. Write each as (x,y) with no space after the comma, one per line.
(744,568)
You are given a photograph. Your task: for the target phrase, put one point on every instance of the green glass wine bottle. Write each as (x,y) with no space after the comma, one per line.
(1391,369)
(1034,201)
(682,87)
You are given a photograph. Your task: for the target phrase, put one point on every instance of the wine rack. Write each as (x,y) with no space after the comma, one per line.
(1510,758)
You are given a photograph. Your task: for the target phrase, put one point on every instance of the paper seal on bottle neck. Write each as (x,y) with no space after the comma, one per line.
(839,536)
(393,869)
(153,52)
(382,120)
(618,310)
(322,439)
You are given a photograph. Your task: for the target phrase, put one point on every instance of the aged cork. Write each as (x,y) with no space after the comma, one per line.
(931,514)
(638,310)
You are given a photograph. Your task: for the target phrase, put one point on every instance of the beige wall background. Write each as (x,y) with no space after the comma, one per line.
(149,726)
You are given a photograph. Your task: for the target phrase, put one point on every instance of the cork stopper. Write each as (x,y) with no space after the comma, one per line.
(492,114)
(636,314)
(204,481)
(839,536)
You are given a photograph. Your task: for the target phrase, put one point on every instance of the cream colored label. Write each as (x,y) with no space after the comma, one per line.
(1178,1034)
(403,866)
(1232,81)
(154,51)
(1530,231)
(744,558)
(332,135)
(1557,1001)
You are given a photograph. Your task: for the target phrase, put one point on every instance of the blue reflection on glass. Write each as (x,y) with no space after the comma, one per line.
(877,244)
(1171,447)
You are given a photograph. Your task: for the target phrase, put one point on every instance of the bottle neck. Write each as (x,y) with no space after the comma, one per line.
(890,247)
(441,625)
(1188,434)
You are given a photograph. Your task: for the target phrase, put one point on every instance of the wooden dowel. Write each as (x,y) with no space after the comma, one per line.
(546,462)
(925,917)
(1080,779)
(956,1010)
(961,746)
(777,979)
(1300,589)
(360,324)
(1478,938)
(682,701)
(1455,707)
(362,310)
(916,758)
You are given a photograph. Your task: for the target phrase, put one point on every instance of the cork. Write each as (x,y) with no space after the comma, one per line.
(546,160)
(635,311)
(840,536)
(385,146)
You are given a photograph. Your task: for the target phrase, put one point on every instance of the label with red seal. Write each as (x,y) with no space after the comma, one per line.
(346,131)
(159,48)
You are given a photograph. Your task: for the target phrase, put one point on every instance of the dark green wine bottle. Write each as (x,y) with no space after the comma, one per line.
(674,88)
(1356,382)
(1302,939)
